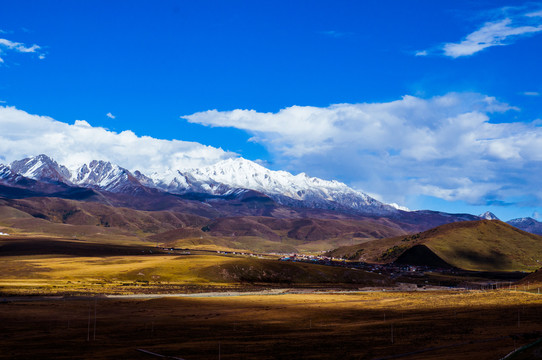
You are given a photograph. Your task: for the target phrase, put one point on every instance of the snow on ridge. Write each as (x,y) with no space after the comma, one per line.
(399,207)
(488,215)
(222,178)
(97,173)
(4,171)
(244,173)
(40,166)
(284,187)
(522,220)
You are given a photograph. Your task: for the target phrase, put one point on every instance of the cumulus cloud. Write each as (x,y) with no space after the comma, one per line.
(446,146)
(512,26)
(24,135)
(109,115)
(8,45)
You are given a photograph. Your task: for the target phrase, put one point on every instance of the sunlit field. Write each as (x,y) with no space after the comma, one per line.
(73,275)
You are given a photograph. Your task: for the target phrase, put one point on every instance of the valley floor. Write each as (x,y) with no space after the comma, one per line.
(370,325)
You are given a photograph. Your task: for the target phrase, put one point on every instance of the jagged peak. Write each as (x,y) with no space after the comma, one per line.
(40,167)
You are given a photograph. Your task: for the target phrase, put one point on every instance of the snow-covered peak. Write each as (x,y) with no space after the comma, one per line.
(246,174)
(488,215)
(97,174)
(524,220)
(101,174)
(282,186)
(527,224)
(41,168)
(223,178)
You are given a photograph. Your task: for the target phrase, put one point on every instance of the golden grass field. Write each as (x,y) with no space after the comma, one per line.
(424,325)
(163,273)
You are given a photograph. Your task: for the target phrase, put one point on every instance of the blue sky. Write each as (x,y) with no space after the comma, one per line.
(430,104)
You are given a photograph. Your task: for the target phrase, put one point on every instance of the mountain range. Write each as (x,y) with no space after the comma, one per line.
(225,178)
(230,199)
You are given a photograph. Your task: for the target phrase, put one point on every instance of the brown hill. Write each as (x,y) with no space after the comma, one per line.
(533,280)
(485,245)
(305,229)
(63,211)
(83,219)
(272,271)
(184,221)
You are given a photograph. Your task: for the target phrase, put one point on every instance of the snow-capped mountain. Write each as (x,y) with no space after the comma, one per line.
(223,178)
(488,215)
(41,168)
(104,175)
(5,172)
(527,224)
(293,190)
(97,174)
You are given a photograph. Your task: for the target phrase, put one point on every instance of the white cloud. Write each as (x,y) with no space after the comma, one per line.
(109,115)
(531,93)
(491,34)
(445,146)
(24,135)
(513,24)
(8,45)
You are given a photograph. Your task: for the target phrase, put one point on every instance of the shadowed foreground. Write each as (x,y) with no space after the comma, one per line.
(429,325)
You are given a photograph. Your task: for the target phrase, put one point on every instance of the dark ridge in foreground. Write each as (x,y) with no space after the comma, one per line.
(421,255)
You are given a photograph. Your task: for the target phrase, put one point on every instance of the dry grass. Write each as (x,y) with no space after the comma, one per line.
(101,274)
(446,325)
(470,245)
(48,274)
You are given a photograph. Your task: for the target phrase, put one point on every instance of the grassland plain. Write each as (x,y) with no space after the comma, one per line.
(362,325)
(373,325)
(165,273)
